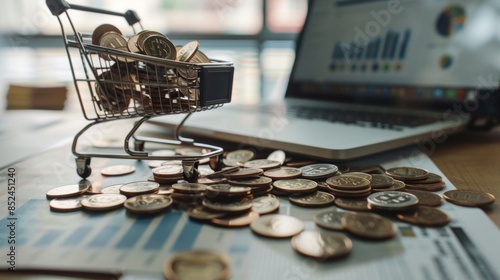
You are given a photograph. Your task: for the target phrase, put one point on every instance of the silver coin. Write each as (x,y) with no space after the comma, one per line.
(392,200)
(277,155)
(318,170)
(103,201)
(141,187)
(265,204)
(295,185)
(148,203)
(277,226)
(112,189)
(69,190)
(331,219)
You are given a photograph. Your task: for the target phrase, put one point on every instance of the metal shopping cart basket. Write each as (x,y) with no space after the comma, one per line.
(122,84)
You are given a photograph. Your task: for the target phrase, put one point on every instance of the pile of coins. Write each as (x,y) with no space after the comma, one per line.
(248,191)
(156,88)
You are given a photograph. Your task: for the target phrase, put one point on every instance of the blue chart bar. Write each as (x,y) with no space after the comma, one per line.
(162,231)
(188,236)
(109,231)
(394,45)
(134,233)
(49,237)
(404,44)
(241,241)
(77,235)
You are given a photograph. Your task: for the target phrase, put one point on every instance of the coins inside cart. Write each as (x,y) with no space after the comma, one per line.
(132,44)
(197,264)
(187,52)
(380,181)
(330,219)
(204,214)
(243,173)
(469,198)
(318,171)
(392,201)
(348,183)
(407,173)
(159,46)
(431,187)
(236,206)
(101,202)
(396,186)
(138,188)
(101,30)
(239,220)
(369,225)
(283,172)
(426,198)
(277,226)
(278,156)
(117,170)
(67,204)
(263,164)
(69,190)
(425,216)
(296,186)
(189,187)
(322,245)
(265,204)
(147,203)
(353,204)
(316,199)
(112,189)
(251,182)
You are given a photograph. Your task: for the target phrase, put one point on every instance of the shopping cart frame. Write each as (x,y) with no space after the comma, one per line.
(208,85)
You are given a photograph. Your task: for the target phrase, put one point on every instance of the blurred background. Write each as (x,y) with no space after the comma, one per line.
(257,35)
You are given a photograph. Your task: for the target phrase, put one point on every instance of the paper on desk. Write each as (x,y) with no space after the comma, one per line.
(115,241)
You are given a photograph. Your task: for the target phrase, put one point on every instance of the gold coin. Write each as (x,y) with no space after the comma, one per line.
(380,181)
(396,186)
(236,220)
(101,30)
(432,187)
(432,178)
(295,185)
(251,182)
(200,57)
(240,156)
(132,44)
(360,174)
(277,155)
(100,202)
(265,204)
(469,198)
(187,52)
(114,40)
(69,190)
(211,180)
(318,170)
(244,173)
(168,171)
(322,245)
(227,190)
(148,203)
(138,188)
(95,188)
(67,204)
(197,265)
(189,187)
(277,226)
(117,170)
(316,199)
(204,214)
(426,198)
(348,182)
(368,225)
(407,173)
(331,219)
(353,204)
(425,216)
(392,200)
(283,172)
(263,164)
(351,193)
(236,206)
(159,46)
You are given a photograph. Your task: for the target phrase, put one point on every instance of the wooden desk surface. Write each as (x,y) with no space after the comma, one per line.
(471,160)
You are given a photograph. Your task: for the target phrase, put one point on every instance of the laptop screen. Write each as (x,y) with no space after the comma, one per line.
(397,51)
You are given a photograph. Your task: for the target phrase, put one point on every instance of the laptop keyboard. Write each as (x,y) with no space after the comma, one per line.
(372,119)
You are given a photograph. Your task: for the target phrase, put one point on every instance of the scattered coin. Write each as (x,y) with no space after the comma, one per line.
(426,198)
(205,214)
(407,173)
(197,265)
(117,170)
(243,173)
(227,190)
(396,186)
(283,172)
(318,171)
(69,190)
(251,182)
(392,200)
(237,206)
(277,226)
(112,189)
(353,204)
(322,245)
(425,216)
(348,182)
(380,181)
(67,204)
(432,187)
(316,199)
(469,198)
(239,156)
(431,179)
(138,188)
(148,203)
(236,220)
(360,174)
(189,187)
(369,225)
(295,185)
(100,202)
(278,156)
(265,204)
(331,219)
(263,164)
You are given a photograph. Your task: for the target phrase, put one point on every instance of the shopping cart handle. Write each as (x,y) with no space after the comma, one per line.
(58,7)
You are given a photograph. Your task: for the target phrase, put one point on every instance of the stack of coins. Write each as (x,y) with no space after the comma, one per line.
(348,185)
(168,174)
(417,178)
(188,195)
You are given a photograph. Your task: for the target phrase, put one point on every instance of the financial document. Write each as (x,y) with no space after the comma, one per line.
(119,242)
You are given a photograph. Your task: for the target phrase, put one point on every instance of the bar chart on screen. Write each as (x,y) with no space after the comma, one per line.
(115,240)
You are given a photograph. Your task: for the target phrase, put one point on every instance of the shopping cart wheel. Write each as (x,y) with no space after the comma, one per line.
(139,145)
(216,162)
(83,167)
(190,171)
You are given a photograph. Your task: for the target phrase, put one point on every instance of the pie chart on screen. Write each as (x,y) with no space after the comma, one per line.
(451,21)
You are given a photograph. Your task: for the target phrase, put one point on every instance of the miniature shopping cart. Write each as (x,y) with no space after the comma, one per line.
(122,85)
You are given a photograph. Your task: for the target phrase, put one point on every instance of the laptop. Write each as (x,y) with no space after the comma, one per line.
(369,76)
